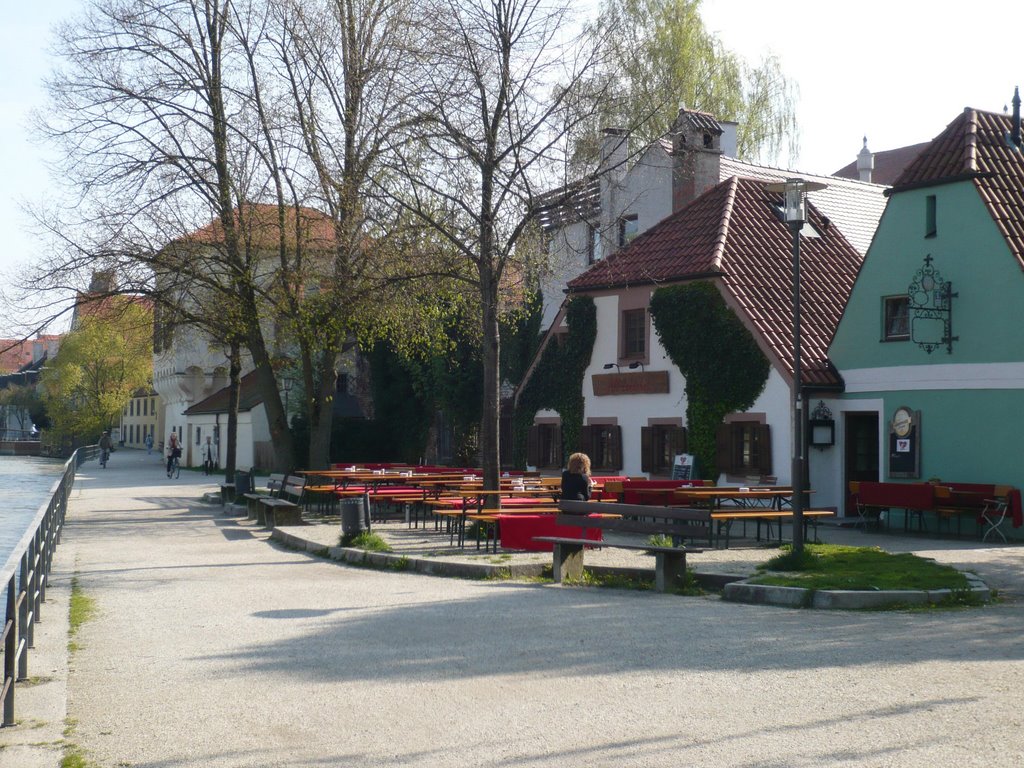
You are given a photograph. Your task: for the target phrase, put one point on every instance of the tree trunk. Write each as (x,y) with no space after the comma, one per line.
(489,458)
(277,421)
(321,413)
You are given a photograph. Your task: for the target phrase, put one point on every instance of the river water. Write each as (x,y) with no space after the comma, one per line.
(25,483)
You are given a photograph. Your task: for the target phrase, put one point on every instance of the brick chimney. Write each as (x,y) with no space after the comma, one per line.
(697,155)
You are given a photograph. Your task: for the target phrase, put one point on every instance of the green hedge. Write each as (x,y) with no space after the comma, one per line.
(725,370)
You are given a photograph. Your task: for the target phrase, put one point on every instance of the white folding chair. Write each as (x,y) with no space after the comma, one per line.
(994,512)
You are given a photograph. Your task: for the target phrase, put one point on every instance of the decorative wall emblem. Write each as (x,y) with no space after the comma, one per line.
(931,309)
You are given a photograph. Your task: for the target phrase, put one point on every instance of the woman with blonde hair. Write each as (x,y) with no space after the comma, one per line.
(576,478)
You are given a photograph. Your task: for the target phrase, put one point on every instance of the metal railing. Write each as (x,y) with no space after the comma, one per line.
(25,575)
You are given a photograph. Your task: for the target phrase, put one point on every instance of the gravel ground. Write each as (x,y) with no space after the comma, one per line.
(213,647)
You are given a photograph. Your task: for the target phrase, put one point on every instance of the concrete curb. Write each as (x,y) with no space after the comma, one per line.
(839,599)
(396,562)
(734,589)
(440,567)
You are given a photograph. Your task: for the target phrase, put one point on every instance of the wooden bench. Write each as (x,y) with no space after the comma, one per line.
(726,518)
(286,507)
(669,562)
(252,499)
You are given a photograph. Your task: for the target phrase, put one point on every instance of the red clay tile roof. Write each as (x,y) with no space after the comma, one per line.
(974,146)
(734,233)
(889,164)
(259,223)
(854,206)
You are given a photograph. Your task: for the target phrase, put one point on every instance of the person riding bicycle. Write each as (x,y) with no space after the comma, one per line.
(106,444)
(173,450)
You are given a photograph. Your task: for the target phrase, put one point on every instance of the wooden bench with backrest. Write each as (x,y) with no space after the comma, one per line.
(670,562)
(284,508)
(274,485)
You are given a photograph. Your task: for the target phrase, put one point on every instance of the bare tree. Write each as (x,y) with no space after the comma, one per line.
(498,79)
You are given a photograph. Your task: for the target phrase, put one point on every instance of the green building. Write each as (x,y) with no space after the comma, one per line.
(930,346)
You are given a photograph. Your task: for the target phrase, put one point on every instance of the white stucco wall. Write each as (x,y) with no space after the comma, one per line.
(633,411)
(204,424)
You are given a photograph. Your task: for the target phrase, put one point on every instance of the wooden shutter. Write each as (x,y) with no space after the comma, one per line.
(616,447)
(723,448)
(533,446)
(646,449)
(764,448)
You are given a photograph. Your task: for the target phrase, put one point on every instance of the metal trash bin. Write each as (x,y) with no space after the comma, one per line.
(243,483)
(355,516)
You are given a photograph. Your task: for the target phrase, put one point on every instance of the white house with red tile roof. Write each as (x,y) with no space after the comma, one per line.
(724,230)
(632,191)
(733,237)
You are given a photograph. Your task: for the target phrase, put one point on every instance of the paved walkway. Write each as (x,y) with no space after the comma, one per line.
(213,647)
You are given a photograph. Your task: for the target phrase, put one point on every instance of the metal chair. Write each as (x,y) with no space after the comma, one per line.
(994,512)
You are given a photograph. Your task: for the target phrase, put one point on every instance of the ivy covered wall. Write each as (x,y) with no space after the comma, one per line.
(557,381)
(725,370)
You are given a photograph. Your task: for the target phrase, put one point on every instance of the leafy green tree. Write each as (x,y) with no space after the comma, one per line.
(99,365)
(661,55)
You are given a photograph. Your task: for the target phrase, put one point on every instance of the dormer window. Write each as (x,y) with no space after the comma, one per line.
(629,227)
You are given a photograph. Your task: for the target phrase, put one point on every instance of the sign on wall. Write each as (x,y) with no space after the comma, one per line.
(905,443)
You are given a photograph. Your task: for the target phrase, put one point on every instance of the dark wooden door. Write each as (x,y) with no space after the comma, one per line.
(861,452)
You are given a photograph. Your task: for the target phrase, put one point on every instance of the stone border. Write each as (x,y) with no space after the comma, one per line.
(442,567)
(734,589)
(399,562)
(797,597)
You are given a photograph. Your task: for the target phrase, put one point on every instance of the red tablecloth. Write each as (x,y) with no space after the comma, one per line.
(517,531)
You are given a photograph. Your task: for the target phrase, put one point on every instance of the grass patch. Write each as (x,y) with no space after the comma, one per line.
(74,755)
(401,564)
(82,609)
(365,540)
(830,566)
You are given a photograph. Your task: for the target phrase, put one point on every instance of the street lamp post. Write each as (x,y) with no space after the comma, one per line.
(795,214)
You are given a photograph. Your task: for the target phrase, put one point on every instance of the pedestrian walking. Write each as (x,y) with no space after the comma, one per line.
(149,443)
(209,457)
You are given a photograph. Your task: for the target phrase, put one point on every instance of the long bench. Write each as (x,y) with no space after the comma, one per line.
(669,562)
(252,499)
(286,507)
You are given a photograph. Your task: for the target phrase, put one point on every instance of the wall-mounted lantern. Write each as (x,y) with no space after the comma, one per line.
(931,309)
(822,427)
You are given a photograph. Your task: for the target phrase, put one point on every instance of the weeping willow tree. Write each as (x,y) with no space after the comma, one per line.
(662,56)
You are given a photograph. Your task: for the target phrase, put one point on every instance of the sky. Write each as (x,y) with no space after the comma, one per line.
(895,71)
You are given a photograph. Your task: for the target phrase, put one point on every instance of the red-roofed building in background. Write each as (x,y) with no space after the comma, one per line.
(16,355)
(190,370)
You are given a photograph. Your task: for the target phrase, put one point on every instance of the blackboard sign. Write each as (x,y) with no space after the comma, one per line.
(905,444)
(684,467)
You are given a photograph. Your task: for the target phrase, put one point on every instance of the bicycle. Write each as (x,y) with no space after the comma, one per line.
(175,468)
